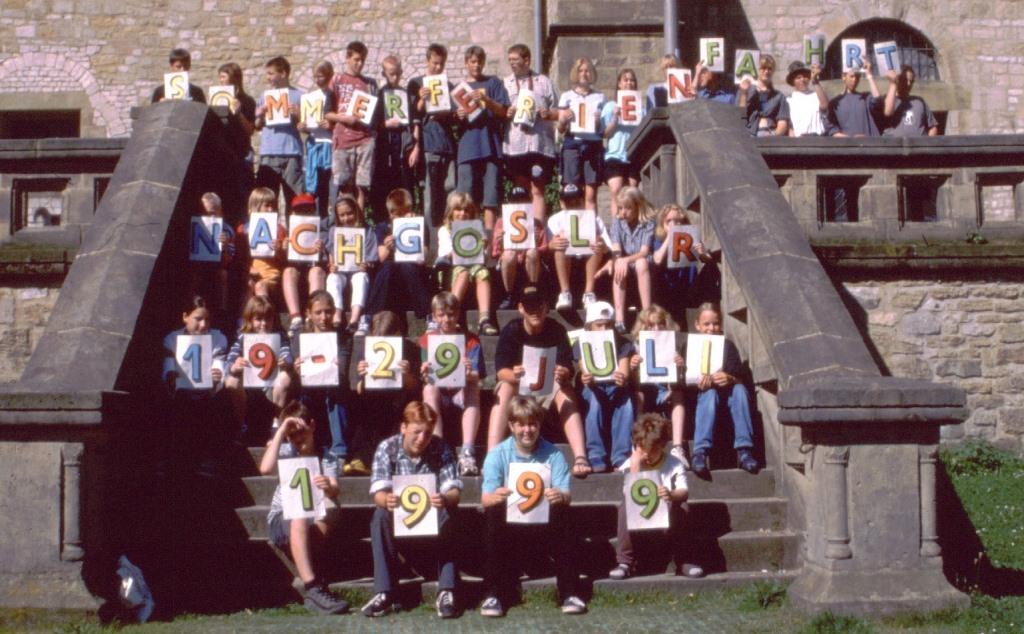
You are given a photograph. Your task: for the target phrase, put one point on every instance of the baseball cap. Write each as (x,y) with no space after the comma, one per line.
(303,200)
(599,311)
(531,298)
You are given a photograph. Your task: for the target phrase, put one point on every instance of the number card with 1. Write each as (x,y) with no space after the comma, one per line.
(468,242)
(644,509)
(446,354)
(319,358)
(262,352)
(855,51)
(658,350)
(582,231)
(278,107)
(176,85)
(408,234)
(705,354)
(396,105)
(348,248)
(679,85)
(414,516)
(194,356)
(597,352)
(528,482)
(303,232)
(383,354)
(222,96)
(585,112)
(466,100)
(539,377)
(361,105)
(681,254)
(631,109)
(712,51)
(518,231)
(439,98)
(300,498)
(262,234)
(312,109)
(204,241)
(526,108)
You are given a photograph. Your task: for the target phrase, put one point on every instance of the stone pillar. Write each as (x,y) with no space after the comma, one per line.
(928,456)
(71,492)
(837,528)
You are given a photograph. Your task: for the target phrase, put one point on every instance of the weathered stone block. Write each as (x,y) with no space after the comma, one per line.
(921,324)
(867,296)
(971,329)
(1010,354)
(1011,419)
(1010,333)
(962,368)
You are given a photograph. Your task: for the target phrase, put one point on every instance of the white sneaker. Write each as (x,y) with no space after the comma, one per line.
(574,605)
(564,301)
(295,326)
(588,299)
(677,451)
(363,327)
(467,465)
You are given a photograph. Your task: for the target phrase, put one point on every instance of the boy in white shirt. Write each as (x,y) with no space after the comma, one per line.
(808,102)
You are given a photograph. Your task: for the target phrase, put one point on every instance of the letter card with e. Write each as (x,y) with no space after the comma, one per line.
(383,354)
(204,239)
(301,498)
(194,357)
(538,379)
(408,235)
(445,354)
(681,253)
(361,105)
(582,232)
(528,481)
(262,352)
(468,242)
(467,101)
(262,234)
(319,354)
(303,233)
(705,354)
(597,354)
(644,509)
(518,231)
(414,515)
(657,349)
(631,109)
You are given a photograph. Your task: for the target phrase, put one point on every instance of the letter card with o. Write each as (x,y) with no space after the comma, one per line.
(468,242)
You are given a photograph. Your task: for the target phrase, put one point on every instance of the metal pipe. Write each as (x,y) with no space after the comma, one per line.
(538,36)
(672,27)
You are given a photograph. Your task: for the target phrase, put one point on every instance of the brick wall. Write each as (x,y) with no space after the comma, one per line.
(24,312)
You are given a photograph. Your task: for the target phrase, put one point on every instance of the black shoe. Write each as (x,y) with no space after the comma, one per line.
(379,605)
(507,303)
(445,604)
(747,460)
(699,464)
(320,601)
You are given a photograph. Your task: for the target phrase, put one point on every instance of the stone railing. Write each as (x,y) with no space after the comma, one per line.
(855,449)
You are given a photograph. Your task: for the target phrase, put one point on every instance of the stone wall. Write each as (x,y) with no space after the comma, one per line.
(959,330)
(24,312)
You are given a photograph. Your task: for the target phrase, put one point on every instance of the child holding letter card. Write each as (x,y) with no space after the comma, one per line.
(350,262)
(520,242)
(674,282)
(664,362)
(583,144)
(414,451)
(578,236)
(504,540)
(402,281)
(462,242)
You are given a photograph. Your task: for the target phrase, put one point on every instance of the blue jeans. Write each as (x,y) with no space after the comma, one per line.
(326,404)
(707,411)
(385,550)
(609,415)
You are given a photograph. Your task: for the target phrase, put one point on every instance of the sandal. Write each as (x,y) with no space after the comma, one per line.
(581,467)
(488,328)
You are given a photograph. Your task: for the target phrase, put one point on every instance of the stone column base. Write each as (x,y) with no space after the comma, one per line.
(876,593)
(49,591)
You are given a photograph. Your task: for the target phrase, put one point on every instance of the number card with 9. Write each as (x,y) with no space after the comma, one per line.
(527,504)
(383,354)
(414,516)
(446,354)
(262,353)
(299,496)
(644,509)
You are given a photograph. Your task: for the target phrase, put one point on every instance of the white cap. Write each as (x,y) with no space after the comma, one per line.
(600,311)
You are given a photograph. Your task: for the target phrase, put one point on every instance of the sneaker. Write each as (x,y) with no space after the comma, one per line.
(487,327)
(356,468)
(747,460)
(320,601)
(699,466)
(431,326)
(693,571)
(467,465)
(620,328)
(564,301)
(588,299)
(379,605)
(295,326)
(363,327)
(445,604)
(677,451)
(507,303)
(491,607)
(574,605)
(621,571)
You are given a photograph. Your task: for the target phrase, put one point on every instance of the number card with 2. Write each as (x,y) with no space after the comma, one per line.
(539,377)
(704,355)
(644,509)
(204,241)
(527,504)
(194,356)
(303,232)
(383,354)
(518,230)
(319,358)
(262,234)
(414,515)
(597,352)
(300,498)
(582,231)
(262,353)
(408,234)
(468,242)
(446,354)
(658,350)
(681,241)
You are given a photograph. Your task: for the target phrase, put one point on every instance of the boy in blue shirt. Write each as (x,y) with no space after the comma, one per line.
(280,145)
(525,445)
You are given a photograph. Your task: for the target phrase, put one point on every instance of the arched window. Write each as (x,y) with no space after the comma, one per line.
(915,49)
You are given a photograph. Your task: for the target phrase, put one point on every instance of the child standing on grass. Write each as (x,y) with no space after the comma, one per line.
(303,539)
(347,213)
(632,238)
(462,207)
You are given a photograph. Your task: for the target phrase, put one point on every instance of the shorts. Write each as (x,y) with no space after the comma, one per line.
(534,167)
(266,272)
(545,401)
(452,398)
(619,169)
(481,179)
(279,531)
(354,164)
(477,272)
(582,162)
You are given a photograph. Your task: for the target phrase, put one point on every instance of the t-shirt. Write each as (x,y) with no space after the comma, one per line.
(328,466)
(481,137)
(910,118)
(719,95)
(474,351)
(805,115)
(344,85)
(495,471)
(595,104)
(853,113)
(615,145)
(631,239)
(558,225)
(765,104)
(509,352)
(436,134)
(671,472)
(369,243)
(282,140)
(540,137)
